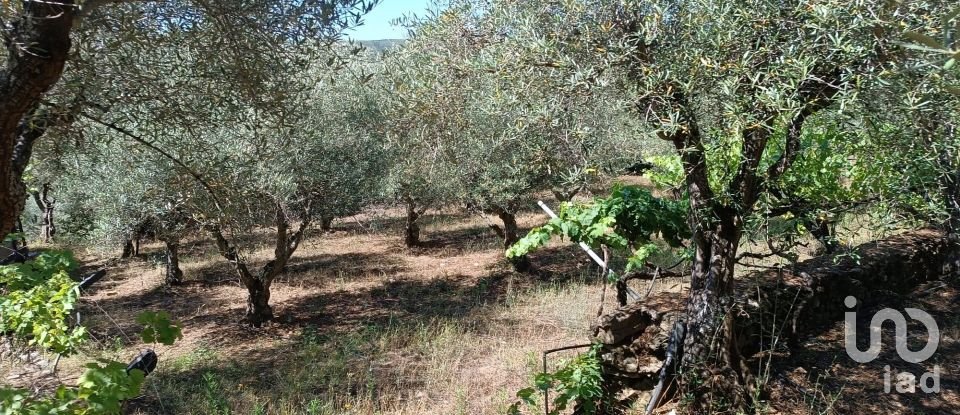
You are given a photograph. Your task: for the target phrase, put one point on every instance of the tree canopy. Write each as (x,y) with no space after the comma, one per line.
(757,122)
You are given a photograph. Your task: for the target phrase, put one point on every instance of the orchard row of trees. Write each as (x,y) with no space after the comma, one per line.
(183,128)
(771,119)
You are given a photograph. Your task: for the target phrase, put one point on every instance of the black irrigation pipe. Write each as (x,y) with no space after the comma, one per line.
(546,396)
(90,279)
(19,256)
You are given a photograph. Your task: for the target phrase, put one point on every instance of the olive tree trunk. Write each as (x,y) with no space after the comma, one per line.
(326,223)
(411,230)
(174,276)
(511,234)
(37,42)
(823,230)
(710,343)
(128,249)
(47,227)
(258,285)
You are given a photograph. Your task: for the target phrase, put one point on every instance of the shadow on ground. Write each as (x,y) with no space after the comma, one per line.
(821,377)
(406,300)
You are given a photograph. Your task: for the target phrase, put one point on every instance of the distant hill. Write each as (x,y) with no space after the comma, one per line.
(381,45)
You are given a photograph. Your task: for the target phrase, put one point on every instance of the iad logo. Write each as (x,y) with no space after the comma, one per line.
(906,382)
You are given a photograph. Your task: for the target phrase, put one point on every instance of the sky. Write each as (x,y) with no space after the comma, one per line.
(376,24)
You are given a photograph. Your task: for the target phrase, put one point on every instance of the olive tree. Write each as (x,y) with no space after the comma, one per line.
(311,165)
(918,101)
(734,88)
(237,39)
(278,135)
(513,127)
(422,110)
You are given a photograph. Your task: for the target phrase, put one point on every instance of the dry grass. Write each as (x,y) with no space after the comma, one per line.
(364,325)
(367,326)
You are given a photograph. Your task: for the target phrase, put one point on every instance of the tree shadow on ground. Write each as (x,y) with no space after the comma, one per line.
(399,299)
(347,347)
(312,373)
(214,307)
(445,243)
(112,320)
(822,377)
(394,224)
(323,268)
(315,270)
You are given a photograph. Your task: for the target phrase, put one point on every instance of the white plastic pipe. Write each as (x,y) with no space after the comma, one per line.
(586,248)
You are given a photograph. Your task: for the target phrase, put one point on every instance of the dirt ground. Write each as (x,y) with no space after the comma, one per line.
(821,378)
(365,325)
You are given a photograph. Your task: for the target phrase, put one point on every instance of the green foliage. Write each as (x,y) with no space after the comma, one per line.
(667,172)
(213,394)
(158,328)
(577,383)
(100,391)
(36,299)
(102,387)
(106,384)
(630,217)
(942,53)
(464,88)
(823,170)
(15,236)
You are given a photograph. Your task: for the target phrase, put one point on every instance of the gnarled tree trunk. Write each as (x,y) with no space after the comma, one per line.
(37,48)
(326,223)
(710,344)
(411,230)
(258,285)
(511,234)
(128,249)
(174,276)
(823,230)
(47,227)
(258,302)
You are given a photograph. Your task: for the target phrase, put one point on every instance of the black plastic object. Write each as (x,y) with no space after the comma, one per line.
(92,278)
(638,168)
(546,394)
(19,257)
(146,361)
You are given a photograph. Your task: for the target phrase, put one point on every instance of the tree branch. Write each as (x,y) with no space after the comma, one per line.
(134,137)
(689,143)
(816,93)
(229,252)
(745,185)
